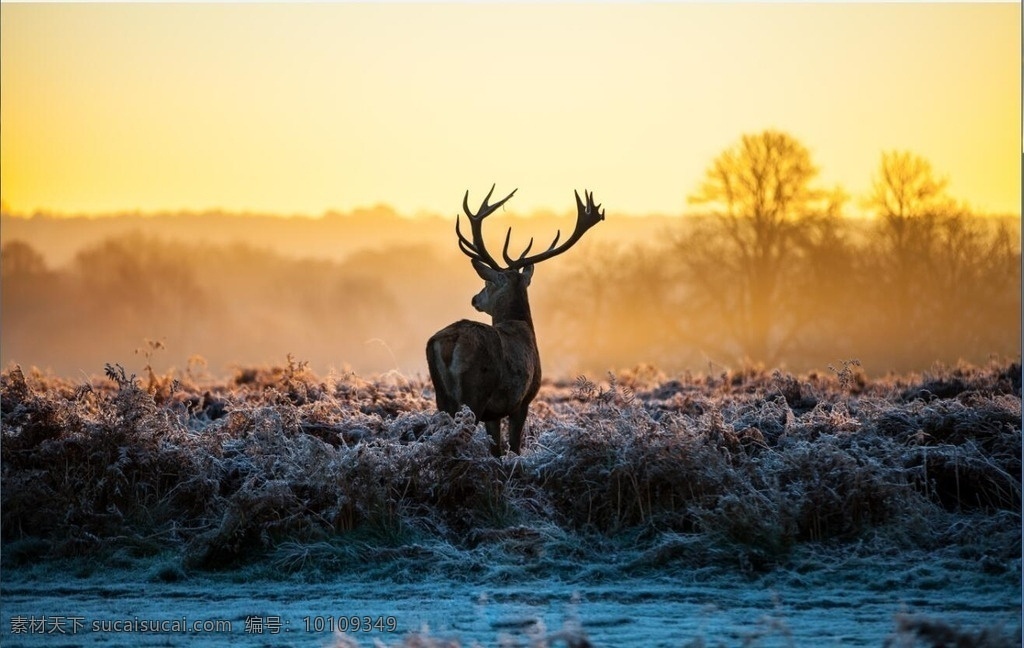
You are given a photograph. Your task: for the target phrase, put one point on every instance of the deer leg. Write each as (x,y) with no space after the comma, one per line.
(516,423)
(494,429)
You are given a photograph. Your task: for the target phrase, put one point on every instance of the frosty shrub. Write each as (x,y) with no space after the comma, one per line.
(281,463)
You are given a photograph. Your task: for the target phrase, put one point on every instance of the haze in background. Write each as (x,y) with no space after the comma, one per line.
(636,291)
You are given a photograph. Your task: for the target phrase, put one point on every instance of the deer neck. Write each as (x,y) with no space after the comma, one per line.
(515,310)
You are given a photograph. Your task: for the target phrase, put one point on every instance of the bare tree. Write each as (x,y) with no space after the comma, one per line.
(743,259)
(942,273)
(905,187)
(909,204)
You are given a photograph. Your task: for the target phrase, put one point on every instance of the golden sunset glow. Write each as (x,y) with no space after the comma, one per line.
(306,108)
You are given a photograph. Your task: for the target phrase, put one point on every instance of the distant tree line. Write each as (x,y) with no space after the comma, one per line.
(768,271)
(772,272)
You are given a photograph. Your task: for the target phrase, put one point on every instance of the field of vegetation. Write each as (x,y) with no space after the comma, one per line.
(283,474)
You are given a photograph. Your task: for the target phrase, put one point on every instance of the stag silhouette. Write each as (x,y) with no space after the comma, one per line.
(495,369)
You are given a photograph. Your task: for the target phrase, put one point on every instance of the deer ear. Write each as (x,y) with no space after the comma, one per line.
(527,273)
(486,272)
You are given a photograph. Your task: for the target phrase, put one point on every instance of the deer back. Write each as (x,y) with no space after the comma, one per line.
(494,370)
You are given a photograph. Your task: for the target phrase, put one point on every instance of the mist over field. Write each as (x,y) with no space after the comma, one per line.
(357,292)
(362,292)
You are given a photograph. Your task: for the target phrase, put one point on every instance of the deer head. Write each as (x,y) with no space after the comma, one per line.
(503,285)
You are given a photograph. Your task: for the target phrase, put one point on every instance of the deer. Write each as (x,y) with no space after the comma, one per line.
(494,370)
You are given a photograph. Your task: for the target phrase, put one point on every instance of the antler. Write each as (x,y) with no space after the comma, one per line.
(587,216)
(476,249)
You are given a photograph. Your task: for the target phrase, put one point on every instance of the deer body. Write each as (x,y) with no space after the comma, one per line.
(494,370)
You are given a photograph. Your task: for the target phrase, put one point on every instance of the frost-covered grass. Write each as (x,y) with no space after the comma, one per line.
(279,464)
(279,471)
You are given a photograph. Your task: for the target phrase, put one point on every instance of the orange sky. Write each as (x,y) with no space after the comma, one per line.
(305,108)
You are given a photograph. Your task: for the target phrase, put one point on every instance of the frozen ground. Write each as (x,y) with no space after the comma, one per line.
(814,600)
